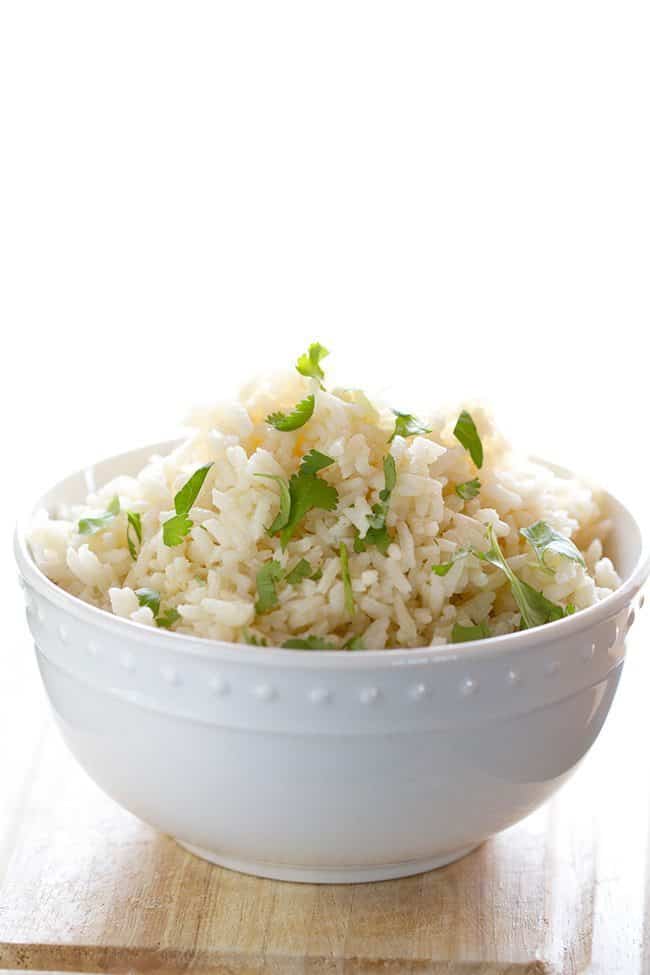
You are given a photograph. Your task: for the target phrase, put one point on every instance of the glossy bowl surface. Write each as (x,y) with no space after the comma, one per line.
(325,766)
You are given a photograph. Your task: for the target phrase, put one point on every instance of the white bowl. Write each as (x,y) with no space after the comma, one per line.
(326,766)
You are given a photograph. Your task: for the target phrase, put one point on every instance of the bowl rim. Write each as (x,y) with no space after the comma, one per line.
(497,646)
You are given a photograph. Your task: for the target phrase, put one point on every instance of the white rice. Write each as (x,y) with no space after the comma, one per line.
(210,578)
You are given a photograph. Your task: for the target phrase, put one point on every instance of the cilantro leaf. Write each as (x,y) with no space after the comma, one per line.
(88,526)
(466,433)
(307,491)
(296,418)
(314,461)
(468,489)
(282,516)
(188,494)
(354,643)
(308,643)
(175,529)
(133,527)
(267,597)
(308,364)
(534,607)
(545,539)
(150,598)
(407,425)
(315,576)
(463,634)
(444,567)
(301,570)
(390,477)
(347,581)
(114,506)
(377,533)
(168,618)
(254,641)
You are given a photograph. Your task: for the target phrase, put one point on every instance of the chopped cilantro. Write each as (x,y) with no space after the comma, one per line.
(149,598)
(267,597)
(304,491)
(463,634)
(253,640)
(317,575)
(444,567)
(309,363)
(377,533)
(466,433)
(407,425)
(301,570)
(534,607)
(347,581)
(468,489)
(88,526)
(358,545)
(175,529)
(309,643)
(314,461)
(133,527)
(545,539)
(167,619)
(296,418)
(282,516)
(354,643)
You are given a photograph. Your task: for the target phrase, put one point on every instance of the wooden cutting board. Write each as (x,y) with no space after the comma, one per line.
(85,887)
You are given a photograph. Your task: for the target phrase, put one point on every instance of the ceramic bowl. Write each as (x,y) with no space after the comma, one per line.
(325,766)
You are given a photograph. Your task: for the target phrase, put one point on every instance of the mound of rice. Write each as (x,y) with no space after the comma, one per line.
(207,585)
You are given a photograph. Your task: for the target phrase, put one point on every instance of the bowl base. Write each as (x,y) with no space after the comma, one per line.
(328,875)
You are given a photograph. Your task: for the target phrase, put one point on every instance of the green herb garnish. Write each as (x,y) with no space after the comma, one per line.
(168,618)
(377,533)
(254,641)
(175,529)
(463,634)
(296,418)
(282,516)
(314,461)
(133,527)
(444,567)
(347,581)
(468,489)
(308,643)
(354,643)
(545,539)
(267,597)
(309,363)
(317,575)
(466,433)
(149,598)
(407,425)
(88,526)
(304,491)
(301,570)
(534,607)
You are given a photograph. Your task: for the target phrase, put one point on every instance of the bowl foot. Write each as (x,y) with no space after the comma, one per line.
(328,875)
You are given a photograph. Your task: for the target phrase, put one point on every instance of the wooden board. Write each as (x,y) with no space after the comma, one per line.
(86,887)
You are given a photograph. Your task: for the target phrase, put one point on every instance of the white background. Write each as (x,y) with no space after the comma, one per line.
(453,198)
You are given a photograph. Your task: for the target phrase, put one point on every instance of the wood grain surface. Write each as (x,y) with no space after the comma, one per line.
(85,887)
